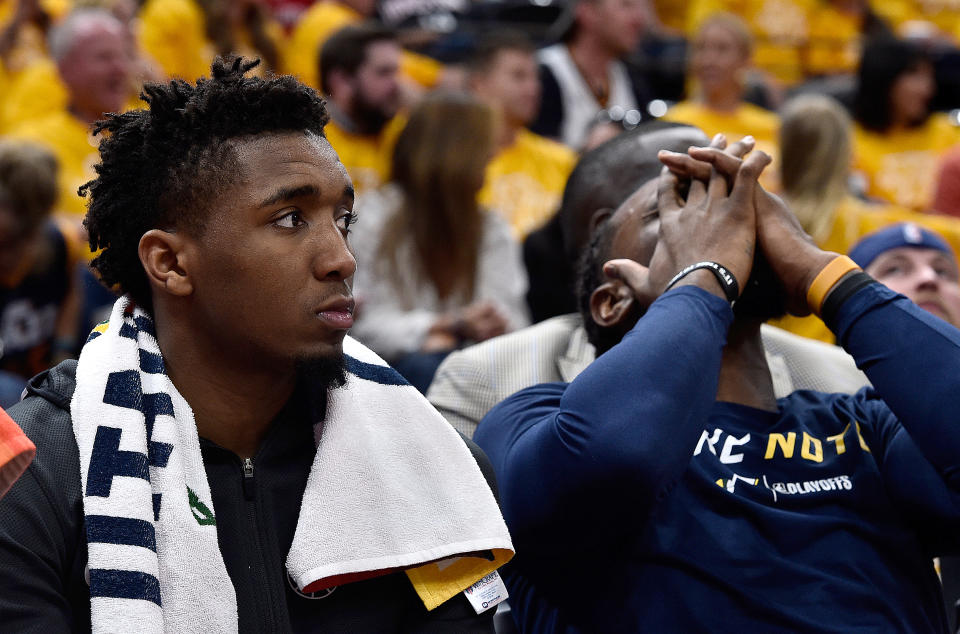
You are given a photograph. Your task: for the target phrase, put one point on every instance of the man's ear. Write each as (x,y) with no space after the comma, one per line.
(610,303)
(598,218)
(165,257)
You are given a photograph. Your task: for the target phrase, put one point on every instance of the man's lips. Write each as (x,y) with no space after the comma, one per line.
(338,314)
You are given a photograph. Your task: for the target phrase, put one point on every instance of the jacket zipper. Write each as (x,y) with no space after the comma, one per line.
(248,478)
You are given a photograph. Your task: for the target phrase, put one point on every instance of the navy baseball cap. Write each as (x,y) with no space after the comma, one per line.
(904,234)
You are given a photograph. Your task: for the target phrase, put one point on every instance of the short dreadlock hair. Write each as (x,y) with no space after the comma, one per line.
(161,167)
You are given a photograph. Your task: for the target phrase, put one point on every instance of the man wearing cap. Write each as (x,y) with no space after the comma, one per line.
(582,73)
(915,262)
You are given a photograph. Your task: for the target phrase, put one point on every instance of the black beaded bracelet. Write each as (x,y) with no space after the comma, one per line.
(729,283)
(841,292)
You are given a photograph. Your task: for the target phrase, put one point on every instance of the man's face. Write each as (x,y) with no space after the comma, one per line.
(618,23)
(637,225)
(511,84)
(96,68)
(272,269)
(376,86)
(926,276)
(717,58)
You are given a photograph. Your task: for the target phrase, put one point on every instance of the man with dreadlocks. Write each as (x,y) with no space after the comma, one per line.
(243,464)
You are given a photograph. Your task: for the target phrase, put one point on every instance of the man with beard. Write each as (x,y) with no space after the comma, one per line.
(238,455)
(359,75)
(666,489)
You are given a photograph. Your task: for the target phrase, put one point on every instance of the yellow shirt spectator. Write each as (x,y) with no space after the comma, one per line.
(746,119)
(74,146)
(900,166)
(524,182)
(367,158)
(779,29)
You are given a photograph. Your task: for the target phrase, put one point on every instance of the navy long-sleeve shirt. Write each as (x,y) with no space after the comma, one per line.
(639,503)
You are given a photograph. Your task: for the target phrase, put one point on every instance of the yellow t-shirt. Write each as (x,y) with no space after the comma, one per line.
(524,182)
(779,28)
(855,219)
(901,166)
(834,43)
(173,33)
(366,158)
(34,92)
(319,22)
(75,147)
(747,119)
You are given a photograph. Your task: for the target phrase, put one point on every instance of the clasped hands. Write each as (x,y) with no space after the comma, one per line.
(724,217)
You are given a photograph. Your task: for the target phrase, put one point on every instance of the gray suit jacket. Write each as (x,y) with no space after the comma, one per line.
(471,381)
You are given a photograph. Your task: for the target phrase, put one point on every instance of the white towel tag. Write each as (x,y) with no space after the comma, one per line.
(487,592)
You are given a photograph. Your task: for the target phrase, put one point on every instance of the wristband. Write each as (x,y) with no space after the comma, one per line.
(841,293)
(727,281)
(825,279)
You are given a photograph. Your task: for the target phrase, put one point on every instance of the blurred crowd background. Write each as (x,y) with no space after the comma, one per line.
(460,123)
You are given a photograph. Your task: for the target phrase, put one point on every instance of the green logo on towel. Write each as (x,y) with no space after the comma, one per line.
(201,513)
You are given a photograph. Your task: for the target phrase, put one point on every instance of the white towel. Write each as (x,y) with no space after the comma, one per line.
(392,487)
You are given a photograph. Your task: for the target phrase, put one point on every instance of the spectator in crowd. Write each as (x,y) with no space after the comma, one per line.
(38,267)
(359,68)
(788,512)
(600,182)
(779,31)
(183,36)
(90,49)
(720,55)
(525,179)
(326,17)
(181,458)
(582,73)
(815,172)
(915,262)
(898,142)
(25,65)
(471,381)
(439,270)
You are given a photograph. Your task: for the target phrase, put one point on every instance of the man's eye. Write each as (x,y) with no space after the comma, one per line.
(345,221)
(289,220)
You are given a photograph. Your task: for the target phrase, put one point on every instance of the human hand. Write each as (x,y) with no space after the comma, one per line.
(481,321)
(716,222)
(791,253)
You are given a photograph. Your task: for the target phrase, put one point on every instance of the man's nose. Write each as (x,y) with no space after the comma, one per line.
(334,260)
(927,277)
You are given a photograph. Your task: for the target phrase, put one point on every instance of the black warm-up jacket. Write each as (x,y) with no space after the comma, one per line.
(43,549)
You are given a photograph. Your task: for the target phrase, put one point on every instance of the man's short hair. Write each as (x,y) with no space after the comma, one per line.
(161,167)
(346,49)
(28,182)
(495,42)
